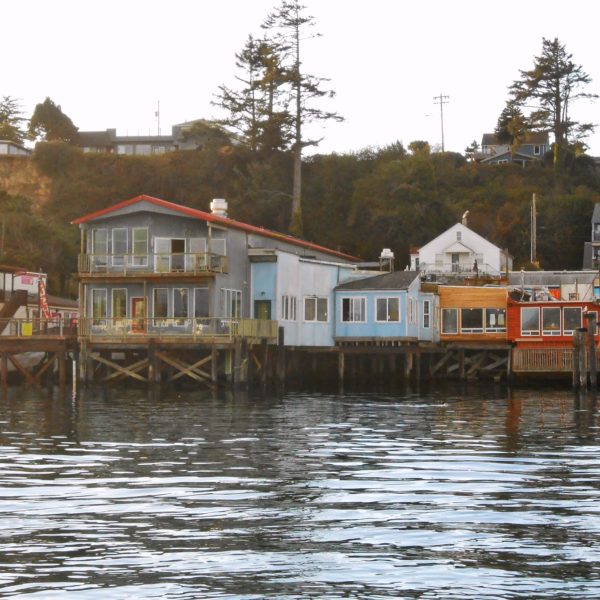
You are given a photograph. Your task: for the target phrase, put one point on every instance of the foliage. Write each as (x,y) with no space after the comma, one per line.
(551,86)
(11,121)
(50,124)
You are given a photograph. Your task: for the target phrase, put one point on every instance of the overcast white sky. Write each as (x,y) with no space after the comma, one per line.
(109,63)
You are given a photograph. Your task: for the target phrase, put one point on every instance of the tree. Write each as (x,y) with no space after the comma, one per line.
(550,87)
(11,120)
(50,124)
(257,111)
(471,150)
(289,24)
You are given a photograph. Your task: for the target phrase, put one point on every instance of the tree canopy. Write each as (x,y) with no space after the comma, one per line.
(11,121)
(48,123)
(548,90)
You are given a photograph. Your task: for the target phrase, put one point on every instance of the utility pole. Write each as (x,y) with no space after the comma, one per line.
(441,100)
(533,231)
(157,115)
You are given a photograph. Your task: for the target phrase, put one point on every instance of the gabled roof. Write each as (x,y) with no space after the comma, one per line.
(533,137)
(397,280)
(511,156)
(210,218)
(458,248)
(596,213)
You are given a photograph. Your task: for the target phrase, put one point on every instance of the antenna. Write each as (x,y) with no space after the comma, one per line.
(441,100)
(157,115)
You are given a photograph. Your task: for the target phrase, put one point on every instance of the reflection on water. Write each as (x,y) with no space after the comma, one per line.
(453,493)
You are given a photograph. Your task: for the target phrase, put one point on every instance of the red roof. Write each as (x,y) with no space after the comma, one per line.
(205,216)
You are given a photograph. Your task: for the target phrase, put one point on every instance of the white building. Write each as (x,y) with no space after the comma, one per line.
(461,251)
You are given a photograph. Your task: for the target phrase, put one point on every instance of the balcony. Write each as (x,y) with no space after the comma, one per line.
(182,329)
(159,264)
(463,268)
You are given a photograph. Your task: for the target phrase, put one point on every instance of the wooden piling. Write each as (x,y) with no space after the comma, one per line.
(591,327)
(579,371)
(341,358)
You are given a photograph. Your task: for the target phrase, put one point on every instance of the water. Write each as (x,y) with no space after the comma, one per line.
(454,493)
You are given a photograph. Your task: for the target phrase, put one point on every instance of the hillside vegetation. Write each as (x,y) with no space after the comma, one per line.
(359,203)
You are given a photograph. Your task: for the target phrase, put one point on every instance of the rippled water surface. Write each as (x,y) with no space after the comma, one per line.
(453,493)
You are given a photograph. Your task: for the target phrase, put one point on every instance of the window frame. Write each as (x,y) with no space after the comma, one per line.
(387,299)
(139,259)
(118,257)
(445,311)
(289,306)
(564,318)
(159,319)
(531,332)
(99,319)
(551,332)
(471,330)
(495,329)
(350,315)
(317,300)
(112,307)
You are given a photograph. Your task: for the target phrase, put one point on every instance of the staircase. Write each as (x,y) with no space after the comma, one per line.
(12,302)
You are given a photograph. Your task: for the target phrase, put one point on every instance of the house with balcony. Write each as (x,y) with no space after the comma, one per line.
(532,148)
(460,251)
(591,249)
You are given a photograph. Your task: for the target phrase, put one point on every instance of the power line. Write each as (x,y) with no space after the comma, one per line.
(441,100)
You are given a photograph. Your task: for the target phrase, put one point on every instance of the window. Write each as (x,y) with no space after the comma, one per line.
(180,305)
(471,320)
(354,310)
(196,260)
(551,320)
(426,314)
(315,308)
(449,320)
(387,309)
(218,246)
(495,320)
(530,321)
(571,319)
(100,247)
(458,236)
(231,303)
(288,308)
(99,307)
(119,303)
(119,246)
(201,302)
(140,246)
(537,150)
(160,305)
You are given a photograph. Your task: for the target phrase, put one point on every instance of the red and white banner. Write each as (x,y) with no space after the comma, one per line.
(44,309)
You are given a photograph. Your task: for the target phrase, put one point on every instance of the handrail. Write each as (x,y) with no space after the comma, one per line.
(152,262)
(463,268)
(59,325)
(176,327)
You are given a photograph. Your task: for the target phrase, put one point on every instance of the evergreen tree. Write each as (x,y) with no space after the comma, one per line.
(50,124)
(11,121)
(551,86)
(288,25)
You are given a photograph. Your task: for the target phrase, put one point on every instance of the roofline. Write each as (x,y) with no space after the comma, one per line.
(211,218)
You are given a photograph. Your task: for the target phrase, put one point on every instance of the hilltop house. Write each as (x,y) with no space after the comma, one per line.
(591,249)
(10,148)
(533,148)
(190,135)
(461,251)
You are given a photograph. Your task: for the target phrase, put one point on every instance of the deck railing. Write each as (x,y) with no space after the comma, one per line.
(194,263)
(549,360)
(182,328)
(462,268)
(25,328)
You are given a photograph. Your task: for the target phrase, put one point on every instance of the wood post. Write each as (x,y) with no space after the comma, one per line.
(579,370)
(591,319)
(281,356)
(341,360)
(4,370)
(214,365)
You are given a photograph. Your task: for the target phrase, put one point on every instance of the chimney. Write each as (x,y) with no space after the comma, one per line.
(464,218)
(218,207)
(386,259)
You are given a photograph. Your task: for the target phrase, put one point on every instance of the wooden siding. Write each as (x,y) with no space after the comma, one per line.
(472,297)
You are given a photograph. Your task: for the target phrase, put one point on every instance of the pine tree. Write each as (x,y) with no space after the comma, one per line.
(11,121)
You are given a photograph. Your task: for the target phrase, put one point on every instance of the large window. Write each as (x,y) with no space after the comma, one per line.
(449,320)
(231,303)
(201,302)
(551,320)
(100,247)
(119,303)
(119,246)
(495,320)
(180,306)
(160,304)
(354,310)
(315,308)
(572,319)
(99,307)
(426,314)
(471,320)
(140,246)
(387,309)
(530,321)
(288,308)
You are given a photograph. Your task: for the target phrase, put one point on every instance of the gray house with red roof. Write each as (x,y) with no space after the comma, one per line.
(149,266)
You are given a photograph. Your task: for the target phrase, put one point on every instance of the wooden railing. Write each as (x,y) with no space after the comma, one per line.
(549,360)
(26,328)
(136,264)
(176,328)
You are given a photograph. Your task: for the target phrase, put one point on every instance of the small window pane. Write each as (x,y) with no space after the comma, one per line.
(449,320)
(530,321)
(551,320)
(572,317)
(471,320)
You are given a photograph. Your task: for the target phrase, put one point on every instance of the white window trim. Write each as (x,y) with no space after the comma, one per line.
(315,298)
(143,260)
(442,309)
(363,301)
(426,313)
(499,329)
(572,331)
(112,302)
(289,308)
(387,299)
(552,332)
(119,259)
(532,332)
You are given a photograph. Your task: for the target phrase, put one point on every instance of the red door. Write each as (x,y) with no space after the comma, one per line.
(138,315)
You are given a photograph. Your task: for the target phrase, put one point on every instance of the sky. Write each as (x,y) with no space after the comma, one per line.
(110,64)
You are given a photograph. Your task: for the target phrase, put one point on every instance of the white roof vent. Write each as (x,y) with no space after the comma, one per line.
(386,253)
(218,206)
